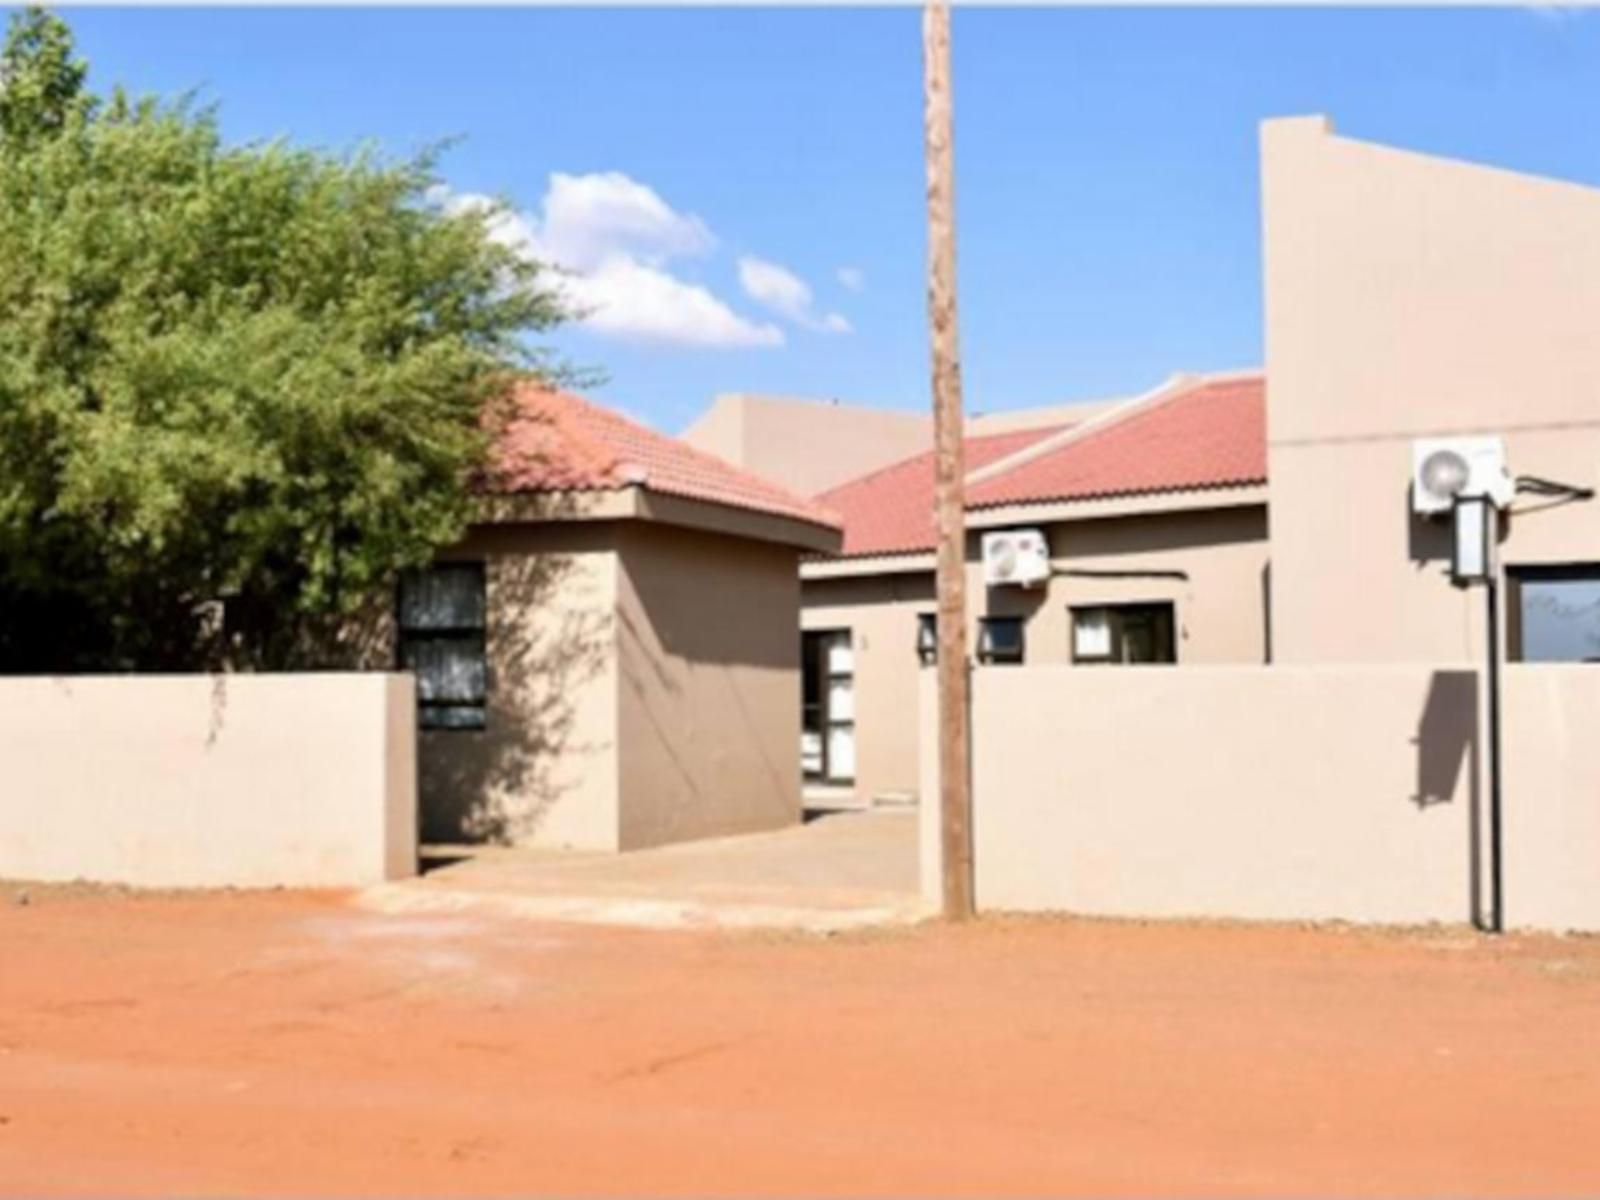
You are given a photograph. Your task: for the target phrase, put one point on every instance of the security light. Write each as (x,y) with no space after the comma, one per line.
(927,638)
(1472,557)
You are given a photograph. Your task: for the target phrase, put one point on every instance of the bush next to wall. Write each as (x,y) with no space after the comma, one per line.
(240,386)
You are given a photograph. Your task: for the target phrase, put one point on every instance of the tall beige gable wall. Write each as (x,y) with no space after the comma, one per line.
(708,685)
(1410,296)
(544,770)
(808,446)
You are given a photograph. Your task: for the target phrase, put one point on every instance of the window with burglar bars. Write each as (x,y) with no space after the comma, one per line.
(442,619)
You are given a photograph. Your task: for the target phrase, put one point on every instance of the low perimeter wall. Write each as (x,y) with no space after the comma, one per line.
(1353,793)
(202,781)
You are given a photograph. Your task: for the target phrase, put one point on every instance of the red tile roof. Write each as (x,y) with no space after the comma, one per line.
(558,442)
(1212,434)
(890,511)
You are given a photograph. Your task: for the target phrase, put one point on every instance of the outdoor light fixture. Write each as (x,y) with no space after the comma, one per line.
(1466,477)
(927,638)
(1472,554)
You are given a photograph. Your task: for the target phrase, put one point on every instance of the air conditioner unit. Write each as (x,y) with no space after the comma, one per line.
(1445,468)
(1018,557)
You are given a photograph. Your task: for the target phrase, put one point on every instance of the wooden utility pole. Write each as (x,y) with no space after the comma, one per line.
(955,799)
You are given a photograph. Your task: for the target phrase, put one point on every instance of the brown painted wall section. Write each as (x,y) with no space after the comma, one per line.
(708,685)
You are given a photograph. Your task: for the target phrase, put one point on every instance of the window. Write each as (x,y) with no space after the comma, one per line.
(828,706)
(1123,633)
(1554,614)
(442,616)
(1000,639)
(927,638)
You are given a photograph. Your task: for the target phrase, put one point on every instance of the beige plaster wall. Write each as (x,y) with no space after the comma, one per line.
(1410,296)
(1220,608)
(708,685)
(543,771)
(808,446)
(1280,793)
(1220,613)
(301,780)
(1552,795)
(881,613)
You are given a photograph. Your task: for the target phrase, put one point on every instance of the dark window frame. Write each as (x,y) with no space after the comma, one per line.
(458,715)
(1516,576)
(1166,612)
(986,650)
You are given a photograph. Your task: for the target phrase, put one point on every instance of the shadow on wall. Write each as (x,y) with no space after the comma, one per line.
(708,669)
(1447,744)
(498,784)
(1431,540)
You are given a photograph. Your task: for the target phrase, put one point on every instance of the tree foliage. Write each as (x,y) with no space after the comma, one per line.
(251,382)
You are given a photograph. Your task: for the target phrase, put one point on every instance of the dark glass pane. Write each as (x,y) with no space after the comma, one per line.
(446,596)
(1147,634)
(1561,620)
(449,670)
(811,670)
(1138,639)
(451,716)
(1000,639)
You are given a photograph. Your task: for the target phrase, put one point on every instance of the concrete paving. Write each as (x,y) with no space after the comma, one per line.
(841,870)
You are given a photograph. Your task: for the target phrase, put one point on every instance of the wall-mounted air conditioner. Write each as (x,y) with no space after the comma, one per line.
(1444,468)
(1015,557)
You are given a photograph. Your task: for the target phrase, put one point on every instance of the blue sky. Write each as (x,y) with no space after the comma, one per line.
(740,191)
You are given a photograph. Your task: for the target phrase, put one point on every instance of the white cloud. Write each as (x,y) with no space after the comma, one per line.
(613,238)
(1556,14)
(630,299)
(853,278)
(591,218)
(785,293)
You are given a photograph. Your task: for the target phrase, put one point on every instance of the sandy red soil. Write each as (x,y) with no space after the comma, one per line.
(288,1044)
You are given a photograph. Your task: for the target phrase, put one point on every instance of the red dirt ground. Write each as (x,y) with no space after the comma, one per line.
(288,1044)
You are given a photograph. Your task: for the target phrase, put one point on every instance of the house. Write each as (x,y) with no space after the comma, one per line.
(1153,513)
(1421,747)
(608,659)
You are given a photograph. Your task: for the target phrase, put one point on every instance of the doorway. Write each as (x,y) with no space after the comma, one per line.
(827,706)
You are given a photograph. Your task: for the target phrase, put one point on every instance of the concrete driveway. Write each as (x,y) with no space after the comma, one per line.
(840,870)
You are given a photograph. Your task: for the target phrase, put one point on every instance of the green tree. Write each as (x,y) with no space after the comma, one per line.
(241,387)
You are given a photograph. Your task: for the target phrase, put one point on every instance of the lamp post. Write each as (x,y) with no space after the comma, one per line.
(1472,560)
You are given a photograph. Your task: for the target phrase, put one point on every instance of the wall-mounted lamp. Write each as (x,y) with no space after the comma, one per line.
(1472,552)
(927,638)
